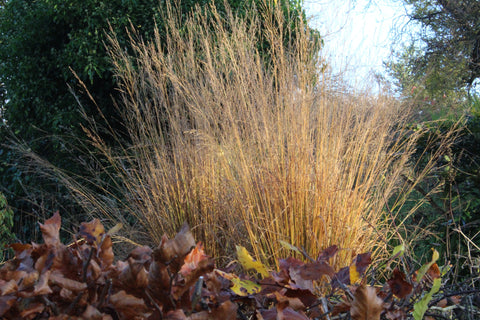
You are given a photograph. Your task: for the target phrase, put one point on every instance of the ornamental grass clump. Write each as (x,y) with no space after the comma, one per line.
(249,148)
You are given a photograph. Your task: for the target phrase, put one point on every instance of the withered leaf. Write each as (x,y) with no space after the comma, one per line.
(341,277)
(129,305)
(58,279)
(197,264)
(6,302)
(290,314)
(31,309)
(366,305)
(158,279)
(106,252)
(51,230)
(178,314)
(434,272)
(226,311)
(142,254)
(93,313)
(134,275)
(396,315)
(92,231)
(42,287)
(327,253)
(173,251)
(193,260)
(8,287)
(286,264)
(28,280)
(300,281)
(362,261)
(294,303)
(270,314)
(22,251)
(315,270)
(399,285)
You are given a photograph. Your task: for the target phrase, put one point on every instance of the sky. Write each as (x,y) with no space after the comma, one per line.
(358,34)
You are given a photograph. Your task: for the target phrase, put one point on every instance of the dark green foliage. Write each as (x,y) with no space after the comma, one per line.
(454,208)
(6,225)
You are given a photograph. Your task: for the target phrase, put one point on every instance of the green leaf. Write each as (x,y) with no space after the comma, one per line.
(288,246)
(398,251)
(423,269)
(421,306)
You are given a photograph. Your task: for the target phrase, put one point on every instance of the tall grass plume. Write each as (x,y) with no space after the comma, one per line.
(248,147)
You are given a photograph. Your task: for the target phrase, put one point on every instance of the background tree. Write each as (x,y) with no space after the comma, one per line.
(441,65)
(41,44)
(436,73)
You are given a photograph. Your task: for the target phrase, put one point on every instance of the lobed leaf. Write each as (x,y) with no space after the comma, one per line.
(248,263)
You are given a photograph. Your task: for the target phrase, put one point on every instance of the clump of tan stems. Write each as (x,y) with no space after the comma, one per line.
(248,148)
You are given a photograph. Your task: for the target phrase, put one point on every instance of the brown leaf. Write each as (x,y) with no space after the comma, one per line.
(8,287)
(142,254)
(366,305)
(399,285)
(327,253)
(42,287)
(341,307)
(58,279)
(434,272)
(196,265)
(6,302)
(180,315)
(92,231)
(31,309)
(93,313)
(128,305)
(106,252)
(290,314)
(300,281)
(294,303)
(134,275)
(28,280)
(193,260)
(21,250)
(158,279)
(173,251)
(396,315)
(51,230)
(341,277)
(362,261)
(315,270)
(226,311)
(270,314)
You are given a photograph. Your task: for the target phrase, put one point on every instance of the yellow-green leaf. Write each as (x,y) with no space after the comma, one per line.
(423,269)
(354,275)
(244,287)
(240,287)
(421,306)
(288,246)
(398,251)
(248,263)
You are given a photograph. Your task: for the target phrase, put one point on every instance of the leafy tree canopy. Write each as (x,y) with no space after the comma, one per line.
(442,64)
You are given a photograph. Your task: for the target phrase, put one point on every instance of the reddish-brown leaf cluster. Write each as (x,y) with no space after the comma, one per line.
(177,280)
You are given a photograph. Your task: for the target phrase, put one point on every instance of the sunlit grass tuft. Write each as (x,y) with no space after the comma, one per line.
(248,148)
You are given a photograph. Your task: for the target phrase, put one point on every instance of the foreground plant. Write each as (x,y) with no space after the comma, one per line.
(176,280)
